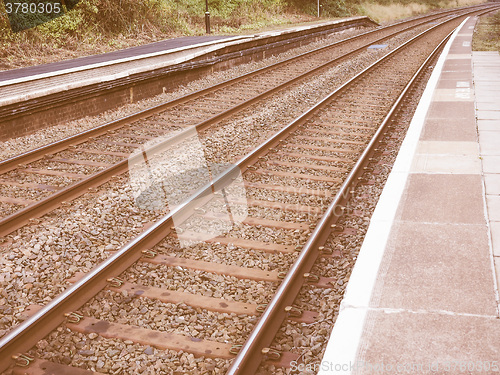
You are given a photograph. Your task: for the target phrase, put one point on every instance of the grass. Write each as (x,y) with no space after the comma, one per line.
(487,33)
(384,11)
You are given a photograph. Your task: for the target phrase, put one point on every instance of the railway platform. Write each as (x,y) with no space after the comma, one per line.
(423,296)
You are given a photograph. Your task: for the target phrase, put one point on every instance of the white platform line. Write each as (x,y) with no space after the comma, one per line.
(342,348)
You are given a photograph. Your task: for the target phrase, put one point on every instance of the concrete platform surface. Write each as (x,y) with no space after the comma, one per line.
(423,296)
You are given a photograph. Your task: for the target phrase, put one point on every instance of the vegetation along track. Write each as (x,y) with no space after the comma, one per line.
(36,182)
(197,298)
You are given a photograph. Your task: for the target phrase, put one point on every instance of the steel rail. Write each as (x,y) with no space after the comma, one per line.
(21,217)
(250,356)
(51,315)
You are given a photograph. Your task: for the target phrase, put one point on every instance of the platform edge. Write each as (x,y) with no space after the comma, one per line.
(345,338)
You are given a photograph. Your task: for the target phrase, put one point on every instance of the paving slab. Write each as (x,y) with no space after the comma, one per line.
(455,110)
(497,268)
(488,60)
(488,125)
(458,76)
(486,106)
(448,147)
(491,163)
(448,129)
(489,142)
(495,238)
(489,115)
(458,56)
(487,89)
(443,198)
(454,164)
(488,94)
(453,83)
(428,343)
(457,94)
(461,49)
(492,182)
(458,64)
(483,71)
(485,77)
(488,65)
(493,205)
(436,267)
(485,99)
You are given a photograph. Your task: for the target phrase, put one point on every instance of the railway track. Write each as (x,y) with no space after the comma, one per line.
(210,283)
(37,182)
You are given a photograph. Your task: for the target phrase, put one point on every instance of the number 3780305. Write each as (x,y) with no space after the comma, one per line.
(25,8)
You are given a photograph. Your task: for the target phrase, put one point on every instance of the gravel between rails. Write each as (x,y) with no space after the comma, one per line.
(235,256)
(104,221)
